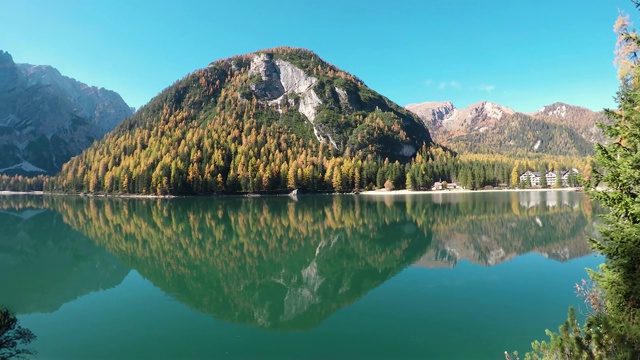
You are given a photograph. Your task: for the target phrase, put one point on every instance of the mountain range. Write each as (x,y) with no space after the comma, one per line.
(485,127)
(272,120)
(46,118)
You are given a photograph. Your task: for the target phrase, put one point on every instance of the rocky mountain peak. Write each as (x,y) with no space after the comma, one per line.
(279,78)
(432,112)
(489,109)
(557,110)
(300,105)
(5,58)
(46,118)
(444,114)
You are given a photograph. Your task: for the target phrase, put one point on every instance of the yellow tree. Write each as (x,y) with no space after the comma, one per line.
(514,176)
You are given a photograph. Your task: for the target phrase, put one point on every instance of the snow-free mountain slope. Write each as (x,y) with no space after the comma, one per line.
(486,127)
(46,118)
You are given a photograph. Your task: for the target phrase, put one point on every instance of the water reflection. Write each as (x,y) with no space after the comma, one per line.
(44,263)
(493,227)
(275,263)
(272,262)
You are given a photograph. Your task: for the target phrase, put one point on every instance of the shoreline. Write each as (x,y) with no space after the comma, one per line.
(6,192)
(382,192)
(378,192)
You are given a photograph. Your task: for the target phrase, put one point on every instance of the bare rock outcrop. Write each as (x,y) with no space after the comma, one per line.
(46,118)
(432,112)
(279,78)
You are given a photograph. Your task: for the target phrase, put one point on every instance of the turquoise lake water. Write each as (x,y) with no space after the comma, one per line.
(453,276)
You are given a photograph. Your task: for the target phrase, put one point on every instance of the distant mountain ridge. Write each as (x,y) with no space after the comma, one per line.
(46,118)
(477,116)
(557,129)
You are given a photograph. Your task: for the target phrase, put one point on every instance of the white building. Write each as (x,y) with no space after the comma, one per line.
(533,177)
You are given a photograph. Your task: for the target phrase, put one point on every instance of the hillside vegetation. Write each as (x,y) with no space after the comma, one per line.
(523,136)
(273,120)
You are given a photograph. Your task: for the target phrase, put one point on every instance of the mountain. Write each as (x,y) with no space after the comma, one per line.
(580,119)
(475,117)
(46,118)
(271,120)
(486,127)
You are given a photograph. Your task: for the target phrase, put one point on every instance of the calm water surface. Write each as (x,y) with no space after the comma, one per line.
(453,276)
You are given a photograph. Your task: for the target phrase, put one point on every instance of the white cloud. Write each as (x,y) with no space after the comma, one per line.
(428,82)
(486,88)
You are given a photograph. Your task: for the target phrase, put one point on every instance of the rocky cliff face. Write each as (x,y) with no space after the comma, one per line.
(444,116)
(46,118)
(433,113)
(279,78)
(280,83)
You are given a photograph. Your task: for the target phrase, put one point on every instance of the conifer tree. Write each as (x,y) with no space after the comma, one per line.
(612,330)
(543,179)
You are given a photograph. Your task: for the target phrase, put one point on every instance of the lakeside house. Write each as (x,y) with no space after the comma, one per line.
(441,185)
(533,177)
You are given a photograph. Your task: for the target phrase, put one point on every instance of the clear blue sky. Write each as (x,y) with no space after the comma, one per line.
(522,54)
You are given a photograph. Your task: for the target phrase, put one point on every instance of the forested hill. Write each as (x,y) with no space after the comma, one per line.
(272,120)
(580,119)
(521,136)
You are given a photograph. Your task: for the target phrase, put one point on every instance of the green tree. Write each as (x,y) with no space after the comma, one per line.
(572,179)
(380,180)
(13,337)
(543,179)
(612,330)
(617,165)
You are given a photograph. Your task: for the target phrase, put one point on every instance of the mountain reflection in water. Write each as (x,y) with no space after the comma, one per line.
(271,262)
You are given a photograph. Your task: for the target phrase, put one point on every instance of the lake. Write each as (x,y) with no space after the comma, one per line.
(429,276)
